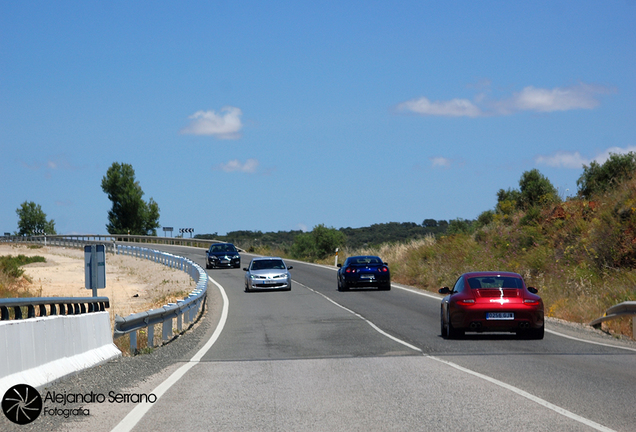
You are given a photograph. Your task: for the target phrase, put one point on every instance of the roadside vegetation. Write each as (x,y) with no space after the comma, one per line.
(13,282)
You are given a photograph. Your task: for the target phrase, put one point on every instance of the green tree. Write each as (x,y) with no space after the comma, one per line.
(460,226)
(485,218)
(319,243)
(507,201)
(32,218)
(130,213)
(598,178)
(536,190)
(429,223)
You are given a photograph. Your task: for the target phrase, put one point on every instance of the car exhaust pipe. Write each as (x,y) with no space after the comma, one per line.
(475,326)
(524,325)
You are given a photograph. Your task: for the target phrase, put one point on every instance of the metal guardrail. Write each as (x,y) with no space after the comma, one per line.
(57,306)
(184,310)
(69,240)
(621,309)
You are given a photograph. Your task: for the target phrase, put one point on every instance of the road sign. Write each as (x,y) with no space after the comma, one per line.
(95,267)
(186,230)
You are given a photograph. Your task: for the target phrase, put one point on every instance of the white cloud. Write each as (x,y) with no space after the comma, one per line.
(604,156)
(452,108)
(250,166)
(440,162)
(575,160)
(225,125)
(582,96)
(562,160)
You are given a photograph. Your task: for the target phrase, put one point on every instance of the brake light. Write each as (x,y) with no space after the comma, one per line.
(350,270)
(531,302)
(383,269)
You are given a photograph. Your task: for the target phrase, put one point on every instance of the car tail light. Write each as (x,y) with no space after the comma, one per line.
(383,269)
(350,270)
(466,302)
(531,302)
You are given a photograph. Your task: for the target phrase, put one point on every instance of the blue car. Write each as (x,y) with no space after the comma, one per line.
(364,272)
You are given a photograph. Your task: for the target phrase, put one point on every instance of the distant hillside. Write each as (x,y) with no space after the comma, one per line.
(374,235)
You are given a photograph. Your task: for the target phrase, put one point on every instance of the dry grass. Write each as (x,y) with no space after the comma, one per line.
(571,292)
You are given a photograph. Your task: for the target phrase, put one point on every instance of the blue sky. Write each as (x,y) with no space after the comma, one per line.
(277,116)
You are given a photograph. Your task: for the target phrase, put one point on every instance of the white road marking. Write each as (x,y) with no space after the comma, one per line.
(134,416)
(436,297)
(502,384)
(529,396)
(589,341)
(375,327)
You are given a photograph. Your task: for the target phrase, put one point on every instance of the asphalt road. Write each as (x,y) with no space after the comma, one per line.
(317,359)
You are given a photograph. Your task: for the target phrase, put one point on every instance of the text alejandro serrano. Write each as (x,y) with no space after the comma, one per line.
(92,397)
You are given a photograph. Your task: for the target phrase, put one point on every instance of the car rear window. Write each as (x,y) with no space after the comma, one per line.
(494,282)
(366,261)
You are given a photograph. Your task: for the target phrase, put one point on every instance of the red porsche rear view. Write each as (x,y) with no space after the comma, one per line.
(491,302)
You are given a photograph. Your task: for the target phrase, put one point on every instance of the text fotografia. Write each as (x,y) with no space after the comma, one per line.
(66,412)
(92,397)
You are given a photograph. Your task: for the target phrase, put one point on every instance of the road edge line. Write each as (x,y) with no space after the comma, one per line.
(134,416)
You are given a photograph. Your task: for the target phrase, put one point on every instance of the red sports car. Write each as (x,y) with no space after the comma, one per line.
(491,302)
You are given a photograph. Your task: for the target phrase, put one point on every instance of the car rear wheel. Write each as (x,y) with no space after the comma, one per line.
(442,325)
(342,286)
(537,333)
(452,332)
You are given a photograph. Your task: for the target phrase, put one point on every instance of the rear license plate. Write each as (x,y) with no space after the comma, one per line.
(367,276)
(500,316)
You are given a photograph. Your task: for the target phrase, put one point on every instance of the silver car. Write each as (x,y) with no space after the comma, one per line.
(267,273)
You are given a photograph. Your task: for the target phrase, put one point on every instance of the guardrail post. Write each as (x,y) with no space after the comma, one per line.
(133,342)
(166,328)
(151,336)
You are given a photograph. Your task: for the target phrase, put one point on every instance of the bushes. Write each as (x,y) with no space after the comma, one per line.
(10,274)
(10,265)
(597,179)
(317,244)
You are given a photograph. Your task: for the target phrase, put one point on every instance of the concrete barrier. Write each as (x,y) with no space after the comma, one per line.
(40,350)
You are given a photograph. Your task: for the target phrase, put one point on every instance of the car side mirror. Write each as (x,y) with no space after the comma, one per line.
(244,268)
(445,290)
(290,267)
(533,290)
(339,265)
